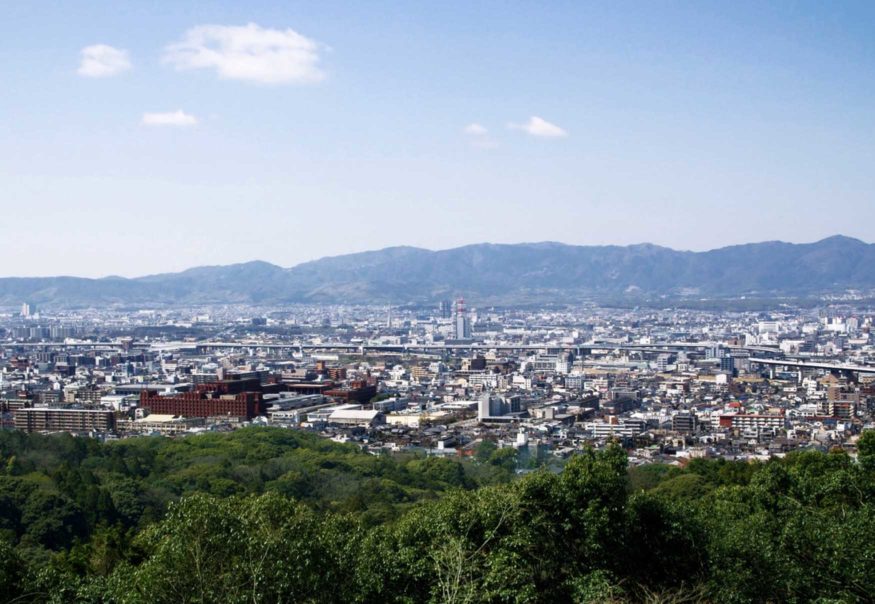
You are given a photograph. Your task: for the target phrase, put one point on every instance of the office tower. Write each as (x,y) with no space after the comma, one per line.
(462,325)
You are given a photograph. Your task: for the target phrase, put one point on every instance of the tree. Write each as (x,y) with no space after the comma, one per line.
(866,450)
(51,520)
(12,570)
(240,549)
(484,451)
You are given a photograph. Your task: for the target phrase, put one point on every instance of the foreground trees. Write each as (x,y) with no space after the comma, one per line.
(792,530)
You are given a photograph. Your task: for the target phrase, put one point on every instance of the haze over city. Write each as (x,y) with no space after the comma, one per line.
(138,139)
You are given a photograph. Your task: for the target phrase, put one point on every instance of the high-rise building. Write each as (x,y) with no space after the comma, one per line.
(483,406)
(662,362)
(446,309)
(462,324)
(564,362)
(491,406)
(686,423)
(842,402)
(715,352)
(43,419)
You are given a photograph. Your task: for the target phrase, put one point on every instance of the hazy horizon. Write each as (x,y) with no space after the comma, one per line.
(317,258)
(142,139)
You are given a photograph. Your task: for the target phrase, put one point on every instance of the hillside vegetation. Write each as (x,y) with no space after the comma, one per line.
(271,515)
(487,273)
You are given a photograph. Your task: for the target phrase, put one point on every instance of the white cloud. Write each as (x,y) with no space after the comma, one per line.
(248,52)
(169,118)
(476,130)
(102,61)
(537,126)
(479,137)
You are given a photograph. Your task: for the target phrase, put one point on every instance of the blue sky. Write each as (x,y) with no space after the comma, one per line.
(190,137)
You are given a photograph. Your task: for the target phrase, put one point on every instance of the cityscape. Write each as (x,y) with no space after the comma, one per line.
(484,302)
(247,433)
(671,384)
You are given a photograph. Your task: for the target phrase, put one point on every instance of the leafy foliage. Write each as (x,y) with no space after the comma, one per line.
(265,515)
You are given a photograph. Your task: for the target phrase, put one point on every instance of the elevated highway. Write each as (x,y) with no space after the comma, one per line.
(794,364)
(585,348)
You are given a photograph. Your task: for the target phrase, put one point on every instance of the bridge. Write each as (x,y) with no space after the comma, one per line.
(791,364)
(360,347)
(65,345)
(443,347)
(585,348)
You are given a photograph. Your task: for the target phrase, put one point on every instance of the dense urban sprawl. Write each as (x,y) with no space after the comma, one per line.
(671,385)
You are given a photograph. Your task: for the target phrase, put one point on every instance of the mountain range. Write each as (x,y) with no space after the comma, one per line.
(495,273)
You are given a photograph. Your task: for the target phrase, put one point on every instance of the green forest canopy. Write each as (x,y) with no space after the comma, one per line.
(273,515)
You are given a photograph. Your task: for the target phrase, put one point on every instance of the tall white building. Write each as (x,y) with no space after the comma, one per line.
(461,322)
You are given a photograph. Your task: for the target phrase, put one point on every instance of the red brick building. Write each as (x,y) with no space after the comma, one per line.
(228,398)
(358,391)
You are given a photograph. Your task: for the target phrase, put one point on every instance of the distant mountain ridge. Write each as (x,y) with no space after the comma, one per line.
(486,272)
